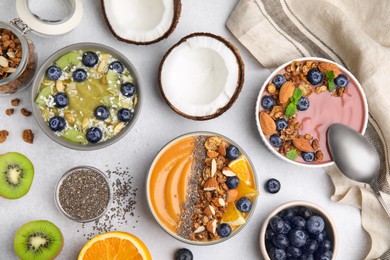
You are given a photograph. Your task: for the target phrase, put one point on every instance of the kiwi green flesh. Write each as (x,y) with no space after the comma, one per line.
(38,240)
(69,59)
(44,94)
(16,175)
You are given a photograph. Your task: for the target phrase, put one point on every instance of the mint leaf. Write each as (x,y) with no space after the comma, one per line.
(292,154)
(296,95)
(291,109)
(330,76)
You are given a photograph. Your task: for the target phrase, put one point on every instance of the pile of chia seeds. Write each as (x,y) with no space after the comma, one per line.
(121,213)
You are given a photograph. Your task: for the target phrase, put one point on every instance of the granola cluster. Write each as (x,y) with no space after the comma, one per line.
(293,140)
(214,194)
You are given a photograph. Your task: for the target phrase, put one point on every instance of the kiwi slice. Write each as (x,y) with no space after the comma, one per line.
(38,240)
(16,175)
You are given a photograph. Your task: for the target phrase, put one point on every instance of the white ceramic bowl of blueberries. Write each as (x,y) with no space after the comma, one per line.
(298,230)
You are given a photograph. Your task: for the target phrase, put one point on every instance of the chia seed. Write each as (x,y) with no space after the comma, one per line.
(84,194)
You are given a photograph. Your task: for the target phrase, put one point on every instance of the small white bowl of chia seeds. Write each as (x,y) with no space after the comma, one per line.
(83,194)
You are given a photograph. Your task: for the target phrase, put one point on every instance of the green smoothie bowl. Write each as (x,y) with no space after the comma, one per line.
(86,96)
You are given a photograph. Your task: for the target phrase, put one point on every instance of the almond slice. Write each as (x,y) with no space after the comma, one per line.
(303,144)
(210,185)
(213,167)
(212,226)
(199,229)
(219,202)
(227,172)
(267,123)
(327,66)
(231,195)
(286,91)
(209,211)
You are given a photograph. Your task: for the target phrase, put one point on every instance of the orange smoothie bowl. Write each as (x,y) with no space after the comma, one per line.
(202,188)
(300,100)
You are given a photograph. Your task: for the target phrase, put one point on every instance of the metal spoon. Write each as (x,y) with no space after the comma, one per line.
(355,157)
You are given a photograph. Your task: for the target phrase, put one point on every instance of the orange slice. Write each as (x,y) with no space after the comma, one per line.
(240,167)
(233,216)
(114,245)
(244,190)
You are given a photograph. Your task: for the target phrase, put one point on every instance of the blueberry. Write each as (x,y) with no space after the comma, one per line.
(280,241)
(79,75)
(341,81)
(224,230)
(244,204)
(277,254)
(183,254)
(303,104)
(232,182)
(94,135)
(53,72)
(278,81)
(281,124)
(232,152)
(125,115)
(276,224)
(314,76)
(269,233)
(327,255)
(304,212)
(286,227)
(307,156)
(325,245)
(102,113)
(57,123)
(127,89)
(293,251)
(288,214)
(315,224)
(116,66)
(89,59)
(272,186)
(61,100)
(267,102)
(298,222)
(310,247)
(306,257)
(298,237)
(319,237)
(275,140)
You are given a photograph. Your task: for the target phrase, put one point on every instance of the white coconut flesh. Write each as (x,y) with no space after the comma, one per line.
(140,20)
(200,76)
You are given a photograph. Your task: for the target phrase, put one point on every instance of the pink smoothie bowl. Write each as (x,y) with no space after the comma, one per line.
(325,109)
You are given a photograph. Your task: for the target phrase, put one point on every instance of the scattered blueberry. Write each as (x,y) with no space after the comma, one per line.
(293,251)
(286,227)
(232,182)
(125,115)
(53,72)
(298,222)
(315,224)
(267,102)
(275,140)
(278,81)
(304,212)
(127,89)
(183,254)
(306,257)
(102,113)
(341,81)
(224,230)
(310,247)
(303,104)
(307,156)
(277,254)
(232,152)
(244,204)
(314,76)
(61,100)
(57,123)
(116,66)
(281,124)
(79,75)
(280,241)
(298,237)
(272,186)
(276,224)
(94,135)
(89,59)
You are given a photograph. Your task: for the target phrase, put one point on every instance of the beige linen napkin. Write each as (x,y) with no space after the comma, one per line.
(354,33)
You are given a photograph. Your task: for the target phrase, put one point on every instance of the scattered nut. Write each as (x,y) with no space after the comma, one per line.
(9,111)
(3,135)
(28,136)
(15,102)
(25,112)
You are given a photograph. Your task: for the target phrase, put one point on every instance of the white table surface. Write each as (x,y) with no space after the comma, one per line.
(156,126)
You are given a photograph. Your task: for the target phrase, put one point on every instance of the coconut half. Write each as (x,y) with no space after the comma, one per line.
(201,76)
(141,21)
